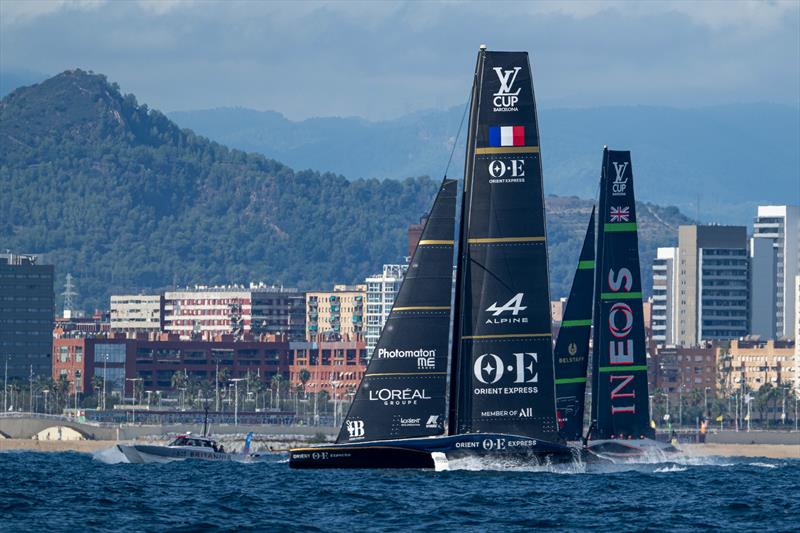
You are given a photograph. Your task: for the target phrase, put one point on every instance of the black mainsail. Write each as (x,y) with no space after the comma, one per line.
(502,398)
(403,392)
(571,353)
(503,356)
(619,380)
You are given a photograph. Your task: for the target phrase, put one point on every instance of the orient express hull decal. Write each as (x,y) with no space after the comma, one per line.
(416,453)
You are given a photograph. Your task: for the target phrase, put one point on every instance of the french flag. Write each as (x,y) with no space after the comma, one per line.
(506,135)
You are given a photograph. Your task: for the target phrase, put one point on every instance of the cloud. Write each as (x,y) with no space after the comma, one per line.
(383,59)
(14,12)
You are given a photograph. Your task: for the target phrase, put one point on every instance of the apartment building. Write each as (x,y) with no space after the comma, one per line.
(336,315)
(780,226)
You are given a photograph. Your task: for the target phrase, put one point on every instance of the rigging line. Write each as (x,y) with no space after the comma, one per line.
(458,134)
(492,274)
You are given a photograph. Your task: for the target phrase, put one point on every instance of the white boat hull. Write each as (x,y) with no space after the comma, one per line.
(147,453)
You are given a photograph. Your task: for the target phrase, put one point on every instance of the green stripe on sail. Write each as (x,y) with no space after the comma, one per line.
(624,368)
(620,295)
(564,381)
(585,265)
(576,323)
(625,226)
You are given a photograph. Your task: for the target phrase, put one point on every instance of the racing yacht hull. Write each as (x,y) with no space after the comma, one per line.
(616,450)
(431,452)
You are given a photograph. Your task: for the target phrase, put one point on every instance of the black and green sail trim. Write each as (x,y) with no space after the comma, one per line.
(403,392)
(619,382)
(503,379)
(571,354)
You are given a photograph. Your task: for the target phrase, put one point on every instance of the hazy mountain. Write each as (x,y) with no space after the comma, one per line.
(730,158)
(13,78)
(119,196)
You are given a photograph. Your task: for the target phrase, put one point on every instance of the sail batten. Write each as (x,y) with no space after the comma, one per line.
(403,392)
(619,383)
(571,352)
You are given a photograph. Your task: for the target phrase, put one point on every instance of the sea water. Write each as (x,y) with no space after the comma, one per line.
(100,492)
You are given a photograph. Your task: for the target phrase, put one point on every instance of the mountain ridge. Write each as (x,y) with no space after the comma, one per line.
(704,160)
(124,199)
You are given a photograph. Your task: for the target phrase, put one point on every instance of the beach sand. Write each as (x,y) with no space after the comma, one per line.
(772,451)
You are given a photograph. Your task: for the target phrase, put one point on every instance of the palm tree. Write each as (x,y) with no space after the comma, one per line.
(41,383)
(762,399)
(97,389)
(305,375)
(276,384)
(253,382)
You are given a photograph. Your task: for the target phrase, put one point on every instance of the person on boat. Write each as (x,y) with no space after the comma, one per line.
(221,449)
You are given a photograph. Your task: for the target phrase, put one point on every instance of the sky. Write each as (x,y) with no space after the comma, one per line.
(380,60)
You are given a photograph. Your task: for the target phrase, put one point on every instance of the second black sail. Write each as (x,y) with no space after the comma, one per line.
(572,346)
(403,392)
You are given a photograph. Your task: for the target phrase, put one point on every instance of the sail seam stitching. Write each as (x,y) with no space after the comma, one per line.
(509,336)
(489,240)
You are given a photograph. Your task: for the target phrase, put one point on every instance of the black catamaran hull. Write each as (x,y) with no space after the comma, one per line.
(419,453)
(627,449)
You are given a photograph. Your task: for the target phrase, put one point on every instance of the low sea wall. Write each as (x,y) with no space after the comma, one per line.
(20,426)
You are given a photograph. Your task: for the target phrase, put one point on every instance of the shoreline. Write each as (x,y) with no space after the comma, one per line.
(770,451)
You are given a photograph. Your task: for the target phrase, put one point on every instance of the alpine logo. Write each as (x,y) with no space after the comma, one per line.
(355,429)
(505,99)
(513,306)
(620,184)
(620,214)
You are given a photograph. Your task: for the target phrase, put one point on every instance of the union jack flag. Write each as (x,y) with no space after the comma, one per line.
(620,214)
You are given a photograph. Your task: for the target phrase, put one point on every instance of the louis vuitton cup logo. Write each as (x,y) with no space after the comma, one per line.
(620,184)
(505,99)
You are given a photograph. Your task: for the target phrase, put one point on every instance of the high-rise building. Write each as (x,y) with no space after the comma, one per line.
(137,313)
(780,225)
(335,315)
(797,334)
(763,280)
(381,291)
(27,311)
(713,289)
(665,291)
(235,310)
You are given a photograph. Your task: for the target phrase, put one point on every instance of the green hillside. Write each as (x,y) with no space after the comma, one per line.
(119,196)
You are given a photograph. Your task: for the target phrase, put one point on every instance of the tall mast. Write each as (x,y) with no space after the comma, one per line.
(452,424)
